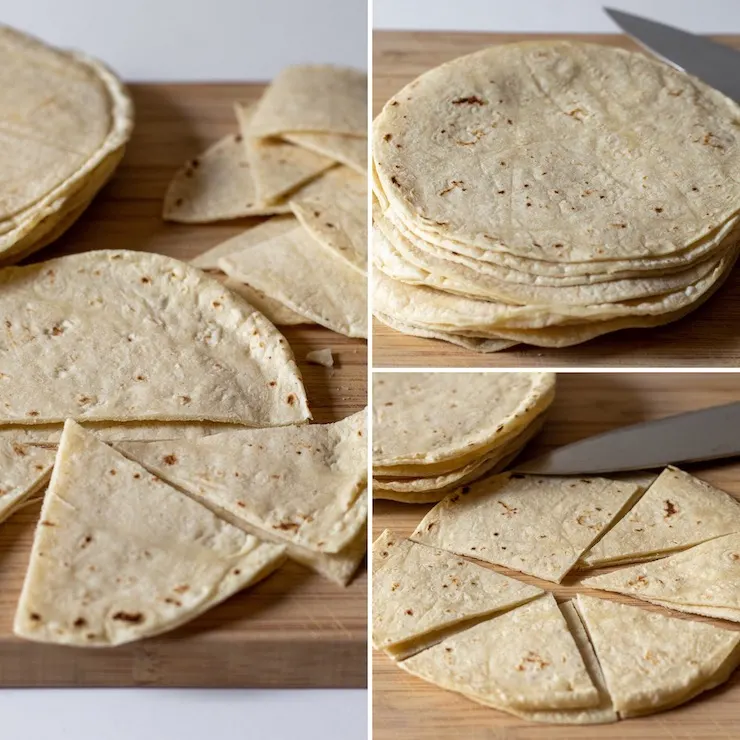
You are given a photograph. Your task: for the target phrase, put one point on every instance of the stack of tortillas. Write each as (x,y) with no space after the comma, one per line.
(435,432)
(506,644)
(64,123)
(300,154)
(139,347)
(551,192)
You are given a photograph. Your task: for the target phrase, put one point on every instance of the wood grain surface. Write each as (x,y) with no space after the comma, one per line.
(295,629)
(586,404)
(706,338)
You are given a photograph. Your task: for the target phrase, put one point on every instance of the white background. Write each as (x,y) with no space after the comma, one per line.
(192,40)
(165,40)
(699,16)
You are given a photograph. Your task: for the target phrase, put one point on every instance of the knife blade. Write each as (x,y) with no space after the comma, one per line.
(707,434)
(714,63)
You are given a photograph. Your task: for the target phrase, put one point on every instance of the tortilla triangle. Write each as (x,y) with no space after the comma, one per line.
(119,555)
(420,591)
(676,512)
(652,662)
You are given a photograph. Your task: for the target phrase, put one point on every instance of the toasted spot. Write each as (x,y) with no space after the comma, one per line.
(131,618)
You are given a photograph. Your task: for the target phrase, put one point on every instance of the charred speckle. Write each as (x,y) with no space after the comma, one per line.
(169,459)
(470,100)
(131,618)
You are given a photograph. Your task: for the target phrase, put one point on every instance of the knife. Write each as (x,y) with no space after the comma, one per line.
(714,63)
(707,434)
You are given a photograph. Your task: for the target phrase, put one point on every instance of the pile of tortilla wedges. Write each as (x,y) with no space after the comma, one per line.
(510,645)
(65,119)
(300,155)
(168,417)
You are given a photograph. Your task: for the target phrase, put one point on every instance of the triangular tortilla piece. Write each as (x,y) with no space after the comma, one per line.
(602,713)
(304,483)
(119,555)
(351,151)
(24,470)
(178,346)
(702,580)
(303,275)
(525,659)
(218,185)
(676,512)
(336,217)
(533,524)
(271,309)
(317,98)
(277,166)
(262,232)
(652,662)
(419,591)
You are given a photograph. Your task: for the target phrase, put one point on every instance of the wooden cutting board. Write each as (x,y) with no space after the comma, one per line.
(706,338)
(586,404)
(295,629)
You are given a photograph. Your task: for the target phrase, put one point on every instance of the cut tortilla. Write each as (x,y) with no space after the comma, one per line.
(652,662)
(305,484)
(271,309)
(602,713)
(536,525)
(701,580)
(676,512)
(419,591)
(336,217)
(313,98)
(303,275)
(178,346)
(351,151)
(525,659)
(262,232)
(119,555)
(24,471)
(277,166)
(218,185)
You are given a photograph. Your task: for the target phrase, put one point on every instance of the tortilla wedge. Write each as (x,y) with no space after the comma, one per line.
(536,525)
(306,484)
(704,579)
(525,659)
(25,470)
(119,555)
(419,592)
(653,662)
(676,512)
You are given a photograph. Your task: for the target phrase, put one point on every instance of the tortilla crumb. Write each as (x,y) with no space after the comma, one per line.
(321,357)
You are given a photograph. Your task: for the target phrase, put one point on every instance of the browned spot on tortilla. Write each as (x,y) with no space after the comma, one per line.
(410,612)
(169,600)
(137,475)
(32,413)
(287,526)
(35,617)
(146,280)
(395,586)
(394,180)
(80,622)
(241,503)
(19,449)
(185,399)
(470,100)
(169,459)
(453,184)
(112,472)
(290,399)
(532,659)
(236,572)
(181,589)
(47,523)
(216,304)
(670,508)
(387,137)
(508,510)
(131,618)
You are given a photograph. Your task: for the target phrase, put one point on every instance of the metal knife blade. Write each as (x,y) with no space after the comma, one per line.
(714,63)
(707,434)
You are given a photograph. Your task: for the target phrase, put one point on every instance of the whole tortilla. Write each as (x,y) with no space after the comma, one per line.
(652,662)
(425,418)
(303,483)
(119,555)
(178,346)
(536,525)
(617,154)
